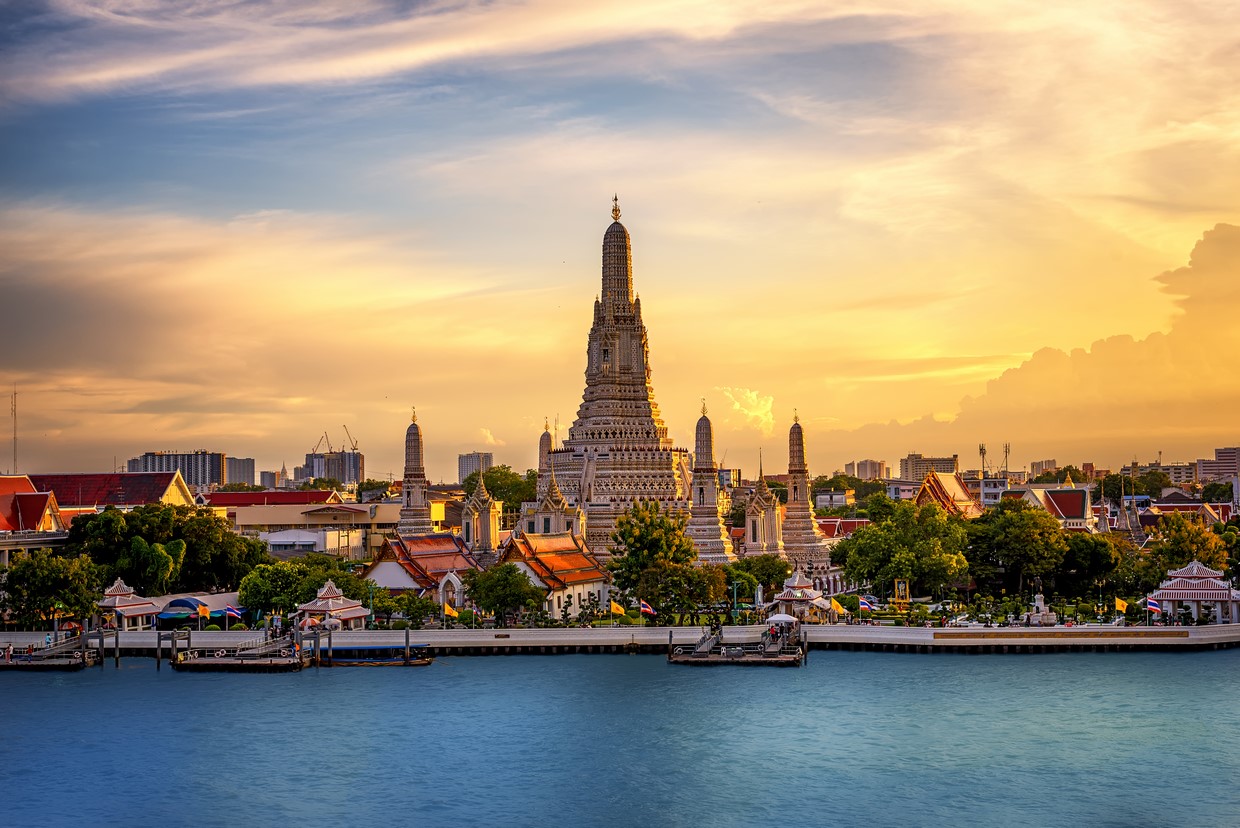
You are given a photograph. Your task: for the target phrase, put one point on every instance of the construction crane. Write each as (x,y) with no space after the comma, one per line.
(329,443)
(352,441)
(315,450)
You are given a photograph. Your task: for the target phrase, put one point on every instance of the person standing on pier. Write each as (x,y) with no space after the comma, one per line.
(8,653)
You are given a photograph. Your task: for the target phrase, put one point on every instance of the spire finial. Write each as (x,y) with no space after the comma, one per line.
(413,413)
(546,423)
(761,476)
(615,207)
(796,418)
(703,406)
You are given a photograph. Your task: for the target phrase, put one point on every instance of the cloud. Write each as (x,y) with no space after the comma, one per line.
(489,439)
(1176,392)
(755,408)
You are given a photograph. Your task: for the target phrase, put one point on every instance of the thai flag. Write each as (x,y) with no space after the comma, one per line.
(1152,605)
(647,610)
(864,604)
(232,611)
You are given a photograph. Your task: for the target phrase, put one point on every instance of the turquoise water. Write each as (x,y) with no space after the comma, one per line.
(853,738)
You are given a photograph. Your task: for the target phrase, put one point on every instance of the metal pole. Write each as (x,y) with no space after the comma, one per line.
(406,645)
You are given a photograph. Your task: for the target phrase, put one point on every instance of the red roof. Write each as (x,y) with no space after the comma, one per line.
(106,489)
(281,497)
(427,558)
(559,559)
(1068,503)
(24,509)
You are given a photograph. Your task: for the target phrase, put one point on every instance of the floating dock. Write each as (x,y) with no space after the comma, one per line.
(710,650)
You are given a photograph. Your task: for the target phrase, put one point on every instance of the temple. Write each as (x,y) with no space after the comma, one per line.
(617,451)
(415,512)
(710,505)
(804,543)
(1197,586)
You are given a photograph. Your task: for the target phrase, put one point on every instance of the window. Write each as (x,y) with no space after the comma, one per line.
(606,355)
(701,495)
(557,602)
(530,528)
(568,526)
(467,528)
(546,526)
(753,531)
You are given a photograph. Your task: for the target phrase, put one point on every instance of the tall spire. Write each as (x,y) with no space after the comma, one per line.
(617,265)
(413,413)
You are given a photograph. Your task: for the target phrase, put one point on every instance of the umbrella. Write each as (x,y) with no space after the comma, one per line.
(71,625)
(781,618)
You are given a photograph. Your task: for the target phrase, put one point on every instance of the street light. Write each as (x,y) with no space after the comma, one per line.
(735,584)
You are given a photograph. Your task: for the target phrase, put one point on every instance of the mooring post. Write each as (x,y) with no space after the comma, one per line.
(406,646)
(330,660)
(159,649)
(117,649)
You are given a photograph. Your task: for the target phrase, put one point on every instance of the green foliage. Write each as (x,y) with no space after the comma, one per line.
(370,485)
(501,590)
(181,548)
(1182,538)
(383,604)
(283,585)
(1018,538)
(862,489)
(1088,560)
(400,625)
(40,583)
(506,485)
(238,627)
(736,517)
(1217,492)
(211,628)
(646,535)
(321,484)
(1060,475)
(778,489)
(241,487)
(768,570)
(923,544)
(415,608)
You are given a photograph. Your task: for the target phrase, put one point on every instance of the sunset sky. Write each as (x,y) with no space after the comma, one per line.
(922,226)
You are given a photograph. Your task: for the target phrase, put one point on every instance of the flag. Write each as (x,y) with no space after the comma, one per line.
(616,609)
(864,604)
(450,611)
(1153,606)
(837,606)
(232,611)
(647,610)
(1121,605)
(204,611)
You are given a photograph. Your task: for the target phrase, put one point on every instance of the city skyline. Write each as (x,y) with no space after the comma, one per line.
(234,228)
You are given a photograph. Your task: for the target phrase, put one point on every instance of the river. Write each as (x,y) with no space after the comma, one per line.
(867,739)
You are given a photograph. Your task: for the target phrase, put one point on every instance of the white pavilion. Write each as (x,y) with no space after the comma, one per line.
(1197,585)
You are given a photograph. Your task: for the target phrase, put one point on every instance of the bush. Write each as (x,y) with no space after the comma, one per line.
(400,625)
(627,620)
(238,627)
(211,628)
(899,622)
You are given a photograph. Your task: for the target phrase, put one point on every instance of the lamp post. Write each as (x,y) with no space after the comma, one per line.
(370,589)
(735,584)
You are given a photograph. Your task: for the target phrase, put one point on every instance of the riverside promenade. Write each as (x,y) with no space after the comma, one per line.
(975,640)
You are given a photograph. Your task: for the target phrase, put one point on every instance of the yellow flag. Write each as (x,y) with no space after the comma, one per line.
(616,609)
(837,606)
(204,611)
(1120,605)
(450,611)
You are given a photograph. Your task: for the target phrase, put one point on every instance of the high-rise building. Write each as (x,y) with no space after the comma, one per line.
(868,469)
(349,467)
(474,462)
(239,470)
(618,451)
(1226,463)
(201,469)
(1038,467)
(916,466)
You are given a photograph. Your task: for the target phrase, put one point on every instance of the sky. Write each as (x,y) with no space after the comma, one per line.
(917,226)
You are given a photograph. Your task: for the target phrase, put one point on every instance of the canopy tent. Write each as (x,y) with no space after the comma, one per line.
(781,618)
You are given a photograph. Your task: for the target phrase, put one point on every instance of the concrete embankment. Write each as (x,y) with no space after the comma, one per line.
(655,639)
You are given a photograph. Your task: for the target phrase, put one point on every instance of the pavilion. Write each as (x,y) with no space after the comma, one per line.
(1195,585)
(331,605)
(130,611)
(799,598)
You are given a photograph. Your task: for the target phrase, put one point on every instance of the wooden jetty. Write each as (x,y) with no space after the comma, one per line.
(66,655)
(258,655)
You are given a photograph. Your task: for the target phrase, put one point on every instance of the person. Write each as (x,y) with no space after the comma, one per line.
(47,640)
(8,653)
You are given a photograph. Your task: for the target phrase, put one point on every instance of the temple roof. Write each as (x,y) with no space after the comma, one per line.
(950,492)
(1195,569)
(23,509)
(272,498)
(559,559)
(114,488)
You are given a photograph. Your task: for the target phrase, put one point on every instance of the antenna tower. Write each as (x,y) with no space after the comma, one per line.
(1007,452)
(981,449)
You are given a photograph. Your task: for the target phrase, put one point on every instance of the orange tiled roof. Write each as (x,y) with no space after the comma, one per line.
(559,559)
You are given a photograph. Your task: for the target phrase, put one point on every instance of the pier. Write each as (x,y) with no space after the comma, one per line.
(243,651)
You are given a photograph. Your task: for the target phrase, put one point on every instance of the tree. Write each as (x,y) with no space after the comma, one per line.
(1089,562)
(241,487)
(283,585)
(1060,475)
(39,583)
(1019,538)
(416,607)
(321,484)
(862,489)
(1152,483)
(644,536)
(768,570)
(1182,538)
(366,487)
(922,544)
(778,489)
(505,485)
(210,557)
(1217,492)
(502,589)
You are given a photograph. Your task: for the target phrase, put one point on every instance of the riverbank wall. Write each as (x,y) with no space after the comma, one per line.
(972,640)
